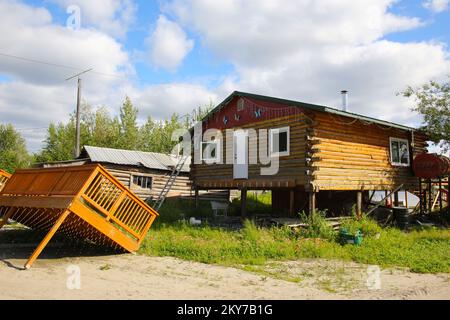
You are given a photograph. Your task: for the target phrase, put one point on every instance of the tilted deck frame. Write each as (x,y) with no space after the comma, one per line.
(83,202)
(4,177)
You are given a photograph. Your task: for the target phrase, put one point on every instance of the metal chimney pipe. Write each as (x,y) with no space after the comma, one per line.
(344,100)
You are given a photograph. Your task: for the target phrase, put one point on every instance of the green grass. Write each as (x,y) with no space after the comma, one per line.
(257,203)
(175,210)
(422,251)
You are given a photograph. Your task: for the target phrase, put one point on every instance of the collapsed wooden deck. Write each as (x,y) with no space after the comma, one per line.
(83,202)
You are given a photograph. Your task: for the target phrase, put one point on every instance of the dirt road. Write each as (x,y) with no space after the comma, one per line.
(140,277)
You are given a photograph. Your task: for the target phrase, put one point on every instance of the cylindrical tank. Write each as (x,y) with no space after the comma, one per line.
(431,166)
(402,218)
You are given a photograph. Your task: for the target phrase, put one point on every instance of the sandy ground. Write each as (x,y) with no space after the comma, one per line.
(140,277)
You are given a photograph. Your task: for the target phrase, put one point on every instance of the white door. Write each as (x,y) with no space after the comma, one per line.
(240,147)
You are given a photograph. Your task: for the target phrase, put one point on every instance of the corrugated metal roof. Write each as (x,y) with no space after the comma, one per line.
(149,160)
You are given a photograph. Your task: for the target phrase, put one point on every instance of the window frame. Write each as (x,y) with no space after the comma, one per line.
(140,175)
(240,105)
(218,144)
(288,142)
(399,164)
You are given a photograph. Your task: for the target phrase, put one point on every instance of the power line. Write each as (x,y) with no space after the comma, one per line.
(37,61)
(56,65)
(79,74)
(31,129)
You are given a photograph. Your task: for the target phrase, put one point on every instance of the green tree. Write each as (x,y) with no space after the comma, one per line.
(99,129)
(147,138)
(128,125)
(156,136)
(96,129)
(106,130)
(59,143)
(198,114)
(13,151)
(433,103)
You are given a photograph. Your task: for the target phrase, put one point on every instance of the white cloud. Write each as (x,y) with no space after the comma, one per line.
(28,32)
(310,50)
(303,50)
(436,6)
(113,17)
(159,101)
(256,31)
(168,44)
(36,94)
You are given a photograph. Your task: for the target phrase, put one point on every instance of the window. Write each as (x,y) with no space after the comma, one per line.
(240,105)
(279,141)
(144,182)
(211,151)
(400,152)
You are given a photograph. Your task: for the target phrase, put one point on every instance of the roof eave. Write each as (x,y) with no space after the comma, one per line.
(308,106)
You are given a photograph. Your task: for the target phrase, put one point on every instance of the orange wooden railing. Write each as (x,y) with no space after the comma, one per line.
(4,176)
(84,202)
(118,205)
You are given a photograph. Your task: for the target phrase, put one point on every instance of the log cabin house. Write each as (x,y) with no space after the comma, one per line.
(326,156)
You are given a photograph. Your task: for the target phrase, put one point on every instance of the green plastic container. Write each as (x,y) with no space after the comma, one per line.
(347,238)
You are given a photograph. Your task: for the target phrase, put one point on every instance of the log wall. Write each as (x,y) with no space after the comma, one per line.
(351,155)
(181,187)
(292,170)
(328,152)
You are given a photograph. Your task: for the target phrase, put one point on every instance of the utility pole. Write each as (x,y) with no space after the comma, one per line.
(77,135)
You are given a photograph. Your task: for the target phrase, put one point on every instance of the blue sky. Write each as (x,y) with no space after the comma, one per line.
(437,25)
(170,56)
(202,65)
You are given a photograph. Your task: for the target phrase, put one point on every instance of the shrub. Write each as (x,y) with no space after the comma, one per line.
(251,232)
(366,225)
(316,226)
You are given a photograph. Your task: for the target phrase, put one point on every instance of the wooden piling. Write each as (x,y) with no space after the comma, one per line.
(244,203)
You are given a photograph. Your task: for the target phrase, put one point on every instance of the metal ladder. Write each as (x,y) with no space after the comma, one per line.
(169,184)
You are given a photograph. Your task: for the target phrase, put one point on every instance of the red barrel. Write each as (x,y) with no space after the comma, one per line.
(431,166)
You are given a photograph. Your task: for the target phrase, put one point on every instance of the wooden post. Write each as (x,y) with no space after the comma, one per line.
(359,204)
(6,217)
(196,197)
(291,202)
(430,196)
(441,206)
(244,203)
(406,199)
(47,238)
(396,201)
(425,201)
(386,196)
(420,196)
(312,202)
